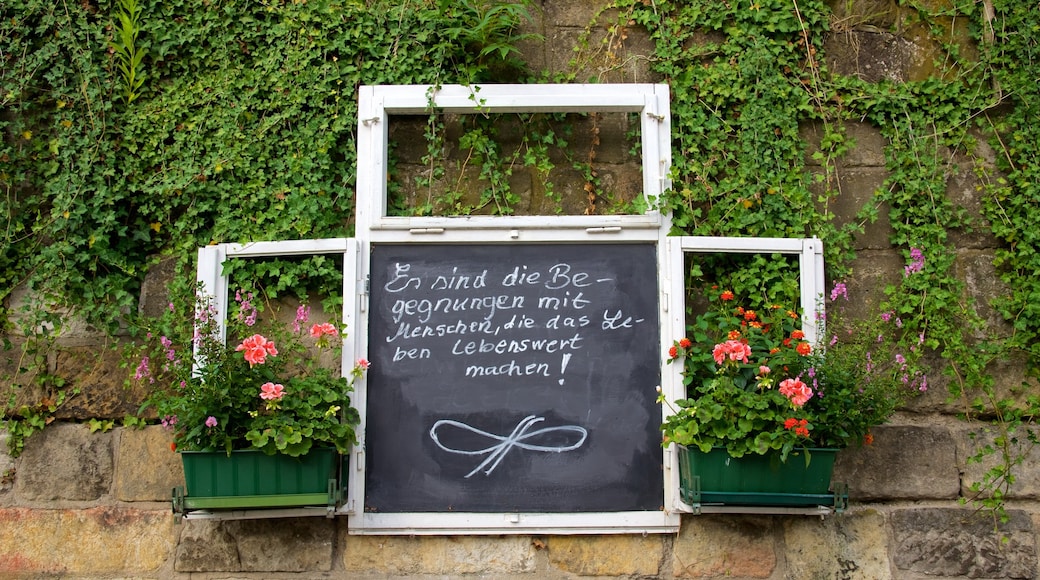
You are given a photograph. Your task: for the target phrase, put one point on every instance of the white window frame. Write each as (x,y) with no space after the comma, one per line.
(214,283)
(811,284)
(373,226)
(377,103)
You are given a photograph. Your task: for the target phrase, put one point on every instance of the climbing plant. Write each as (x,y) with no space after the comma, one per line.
(136,129)
(747,77)
(1010,40)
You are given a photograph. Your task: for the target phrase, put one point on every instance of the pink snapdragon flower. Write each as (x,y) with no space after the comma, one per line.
(303,313)
(916,262)
(839,290)
(143,371)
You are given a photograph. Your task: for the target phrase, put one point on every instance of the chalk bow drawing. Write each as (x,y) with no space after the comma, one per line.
(505,443)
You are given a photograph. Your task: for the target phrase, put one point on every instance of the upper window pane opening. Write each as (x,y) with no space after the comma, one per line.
(524,164)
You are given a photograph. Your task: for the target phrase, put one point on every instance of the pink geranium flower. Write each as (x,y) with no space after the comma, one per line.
(271,391)
(322,332)
(795,390)
(257,348)
(325,328)
(731,350)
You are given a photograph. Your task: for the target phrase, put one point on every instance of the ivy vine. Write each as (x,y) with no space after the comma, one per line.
(136,129)
(133,129)
(745,77)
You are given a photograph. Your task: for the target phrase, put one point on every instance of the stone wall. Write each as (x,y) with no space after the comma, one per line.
(97,506)
(78,504)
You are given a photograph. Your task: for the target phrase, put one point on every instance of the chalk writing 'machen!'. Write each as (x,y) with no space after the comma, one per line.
(505,443)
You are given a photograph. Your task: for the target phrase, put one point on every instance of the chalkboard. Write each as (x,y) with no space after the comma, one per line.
(513,378)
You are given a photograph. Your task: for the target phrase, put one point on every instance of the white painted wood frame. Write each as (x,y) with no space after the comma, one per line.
(214,283)
(373,226)
(811,284)
(377,103)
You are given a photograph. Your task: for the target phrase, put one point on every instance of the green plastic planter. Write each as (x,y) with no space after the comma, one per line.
(756,480)
(251,479)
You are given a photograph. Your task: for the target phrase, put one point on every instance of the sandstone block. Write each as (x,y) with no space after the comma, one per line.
(1010,382)
(286,545)
(609,57)
(206,546)
(966,189)
(6,463)
(146,468)
(98,373)
(65,462)
(871,270)
(23,301)
(982,282)
(878,13)
(963,543)
(260,545)
(448,555)
(605,134)
(725,546)
(80,543)
(868,145)
(155,299)
(904,462)
(856,187)
(972,439)
(872,55)
(621,555)
(573,13)
(852,546)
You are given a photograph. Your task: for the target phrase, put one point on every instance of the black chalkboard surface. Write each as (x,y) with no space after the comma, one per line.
(513,378)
